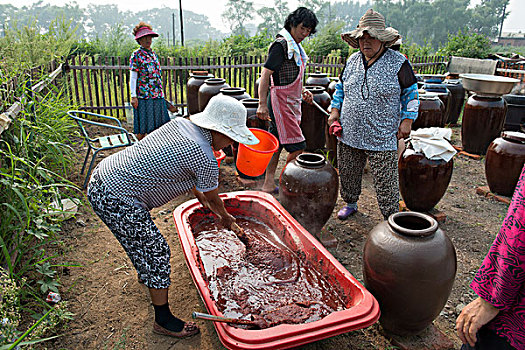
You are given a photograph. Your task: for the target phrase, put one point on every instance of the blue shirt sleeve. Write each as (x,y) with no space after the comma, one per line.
(339,94)
(409,102)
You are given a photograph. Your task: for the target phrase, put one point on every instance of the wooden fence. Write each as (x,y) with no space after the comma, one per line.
(512,70)
(102,84)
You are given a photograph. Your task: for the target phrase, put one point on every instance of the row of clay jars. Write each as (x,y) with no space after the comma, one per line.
(408,245)
(482,122)
(504,162)
(192,89)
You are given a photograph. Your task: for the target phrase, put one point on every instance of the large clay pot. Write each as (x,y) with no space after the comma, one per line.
(515,116)
(457,97)
(317,79)
(237,93)
(444,95)
(308,189)
(313,121)
(210,88)
(504,162)
(423,181)
(409,265)
(331,87)
(431,111)
(252,121)
(192,90)
(483,119)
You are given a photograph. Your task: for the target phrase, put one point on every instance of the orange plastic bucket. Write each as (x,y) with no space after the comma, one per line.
(252,160)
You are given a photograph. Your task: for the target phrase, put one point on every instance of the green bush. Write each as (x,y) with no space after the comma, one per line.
(466,45)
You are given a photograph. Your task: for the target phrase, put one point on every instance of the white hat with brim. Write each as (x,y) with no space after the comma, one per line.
(374,24)
(226,115)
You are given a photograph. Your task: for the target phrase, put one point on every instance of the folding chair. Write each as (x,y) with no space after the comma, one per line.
(100,143)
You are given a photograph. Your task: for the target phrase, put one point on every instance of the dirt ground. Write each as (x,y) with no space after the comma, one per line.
(112,310)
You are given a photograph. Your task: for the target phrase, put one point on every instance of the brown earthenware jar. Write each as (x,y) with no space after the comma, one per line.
(431,111)
(515,116)
(443,94)
(483,119)
(252,121)
(313,121)
(423,181)
(457,98)
(237,93)
(504,162)
(192,90)
(318,79)
(331,87)
(210,88)
(308,189)
(409,265)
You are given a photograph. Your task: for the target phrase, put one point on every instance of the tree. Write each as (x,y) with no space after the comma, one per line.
(486,17)
(466,45)
(236,13)
(273,17)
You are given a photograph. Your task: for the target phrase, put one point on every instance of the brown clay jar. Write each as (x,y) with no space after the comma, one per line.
(444,95)
(317,79)
(504,162)
(483,119)
(457,98)
(313,121)
(331,87)
(252,121)
(308,189)
(409,265)
(210,88)
(192,90)
(423,181)
(431,111)
(237,93)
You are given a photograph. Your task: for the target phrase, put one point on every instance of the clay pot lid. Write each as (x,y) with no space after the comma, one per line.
(513,136)
(310,160)
(318,75)
(250,102)
(427,95)
(215,81)
(233,90)
(315,89)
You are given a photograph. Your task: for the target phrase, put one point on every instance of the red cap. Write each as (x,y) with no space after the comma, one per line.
(144,31)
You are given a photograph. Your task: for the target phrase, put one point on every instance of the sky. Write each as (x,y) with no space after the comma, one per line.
(214,8)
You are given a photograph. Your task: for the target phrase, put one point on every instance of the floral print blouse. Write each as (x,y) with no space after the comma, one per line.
(149,81)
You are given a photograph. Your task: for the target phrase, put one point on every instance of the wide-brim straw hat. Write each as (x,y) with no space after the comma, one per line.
(374,24)
(144,31)
(226,115)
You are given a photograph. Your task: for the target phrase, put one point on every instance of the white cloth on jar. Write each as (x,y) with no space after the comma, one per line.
(433,143)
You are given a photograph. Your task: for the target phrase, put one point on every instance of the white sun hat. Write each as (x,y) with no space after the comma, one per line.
(226,115)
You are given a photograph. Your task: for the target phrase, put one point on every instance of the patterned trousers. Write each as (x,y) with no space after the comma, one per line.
(136,232)
(352,161)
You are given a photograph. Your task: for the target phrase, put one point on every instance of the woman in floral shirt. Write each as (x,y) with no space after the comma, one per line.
(147,97)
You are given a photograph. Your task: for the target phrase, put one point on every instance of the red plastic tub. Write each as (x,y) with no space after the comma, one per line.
(361,312)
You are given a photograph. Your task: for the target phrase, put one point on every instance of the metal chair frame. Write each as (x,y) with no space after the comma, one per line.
(96,144)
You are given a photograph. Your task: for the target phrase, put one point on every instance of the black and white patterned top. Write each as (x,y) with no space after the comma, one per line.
(168,162)
(370,114)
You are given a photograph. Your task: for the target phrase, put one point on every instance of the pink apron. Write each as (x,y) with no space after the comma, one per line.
(286,106)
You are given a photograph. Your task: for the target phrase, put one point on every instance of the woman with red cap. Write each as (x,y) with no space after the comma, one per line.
(147,96)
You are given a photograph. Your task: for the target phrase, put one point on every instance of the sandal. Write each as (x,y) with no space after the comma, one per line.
(190,329)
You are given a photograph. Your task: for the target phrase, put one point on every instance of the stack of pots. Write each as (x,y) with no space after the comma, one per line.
(431,111)
(313,121)
(436,85)
(197,78)
(457,98)
(210,88)
(422,181)
(515,116)
(504,162)
(409,266)
(308,190)
(318,79)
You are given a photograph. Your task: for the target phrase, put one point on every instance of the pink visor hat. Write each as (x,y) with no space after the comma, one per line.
(144,31)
